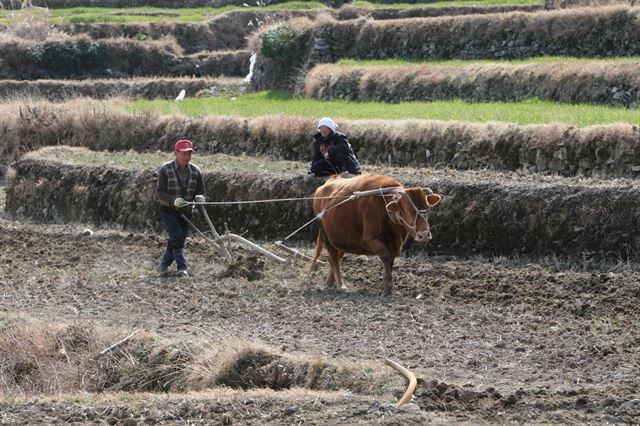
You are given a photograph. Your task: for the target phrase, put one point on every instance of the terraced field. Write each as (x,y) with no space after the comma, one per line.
(523,308)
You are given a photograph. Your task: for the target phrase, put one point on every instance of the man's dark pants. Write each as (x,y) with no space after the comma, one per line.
(177,228)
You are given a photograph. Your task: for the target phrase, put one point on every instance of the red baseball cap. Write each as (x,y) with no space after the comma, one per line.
(184,145)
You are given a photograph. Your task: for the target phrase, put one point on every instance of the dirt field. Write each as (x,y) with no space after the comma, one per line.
(491,340)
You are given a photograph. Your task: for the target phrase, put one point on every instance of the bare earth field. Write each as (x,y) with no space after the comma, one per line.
(491,340)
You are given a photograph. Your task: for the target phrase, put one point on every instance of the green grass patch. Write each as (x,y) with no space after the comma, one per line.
(532,111)
(459,62)
(453,3)
(92,15)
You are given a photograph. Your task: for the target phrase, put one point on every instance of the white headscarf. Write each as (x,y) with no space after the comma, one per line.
(326,121)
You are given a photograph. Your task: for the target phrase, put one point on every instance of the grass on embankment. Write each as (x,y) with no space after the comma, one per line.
(49,358)
(90,15)
(454,3)
(275,102)
(132,160)
(461,62)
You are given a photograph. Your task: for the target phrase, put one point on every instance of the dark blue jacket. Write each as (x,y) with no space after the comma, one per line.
(341,155)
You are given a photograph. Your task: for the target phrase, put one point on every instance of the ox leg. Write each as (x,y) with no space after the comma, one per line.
(334,278)
(331,281)
(387,279)
(378,247)
(324,241)
(338,276)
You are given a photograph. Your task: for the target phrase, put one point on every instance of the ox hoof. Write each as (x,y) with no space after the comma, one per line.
(338,289)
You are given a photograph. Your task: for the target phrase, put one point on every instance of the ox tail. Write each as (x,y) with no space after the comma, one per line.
(319,247)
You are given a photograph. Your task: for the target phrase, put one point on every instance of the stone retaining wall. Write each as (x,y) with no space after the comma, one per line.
(159,88)
(112,58)
(65,4)
(484,218)
(614,83)
(606,151)
(582,32)
(229,31)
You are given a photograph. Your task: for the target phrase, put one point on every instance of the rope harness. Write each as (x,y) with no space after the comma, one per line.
(272,200)
(396,191)
(419,213)
(321,214)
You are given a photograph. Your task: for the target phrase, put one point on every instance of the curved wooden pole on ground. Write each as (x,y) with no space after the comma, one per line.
(413,382)
(295,253)
(218,241)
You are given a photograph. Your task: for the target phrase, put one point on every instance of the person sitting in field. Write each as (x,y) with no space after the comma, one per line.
(332,152)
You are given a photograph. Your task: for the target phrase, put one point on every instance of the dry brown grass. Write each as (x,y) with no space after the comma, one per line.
(572,32)
(51,359)
(421,11)
(31,24)
(291,132)
(48,358)
(604,150)
(27,91)
(252,365)
(611,83)
(81,56)
(590,3)
(221,33)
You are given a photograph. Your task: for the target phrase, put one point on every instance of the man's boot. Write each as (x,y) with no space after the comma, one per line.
(167,259)
(181,261)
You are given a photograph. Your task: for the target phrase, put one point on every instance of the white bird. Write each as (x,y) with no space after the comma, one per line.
(181,95)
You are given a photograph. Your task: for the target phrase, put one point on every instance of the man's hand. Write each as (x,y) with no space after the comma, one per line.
(179,202)
(199,199)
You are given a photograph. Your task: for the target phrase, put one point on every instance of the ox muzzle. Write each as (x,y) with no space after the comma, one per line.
(419,230)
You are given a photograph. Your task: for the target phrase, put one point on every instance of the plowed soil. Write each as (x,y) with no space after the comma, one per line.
(491,340)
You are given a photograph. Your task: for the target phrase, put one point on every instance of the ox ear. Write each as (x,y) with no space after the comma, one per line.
(433,199)
(393,206)
(393,210)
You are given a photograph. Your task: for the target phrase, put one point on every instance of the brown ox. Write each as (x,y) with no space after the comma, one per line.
(376,222)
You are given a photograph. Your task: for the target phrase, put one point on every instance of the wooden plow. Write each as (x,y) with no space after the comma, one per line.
(218,241)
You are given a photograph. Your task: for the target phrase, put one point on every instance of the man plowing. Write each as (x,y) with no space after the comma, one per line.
(179,183)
